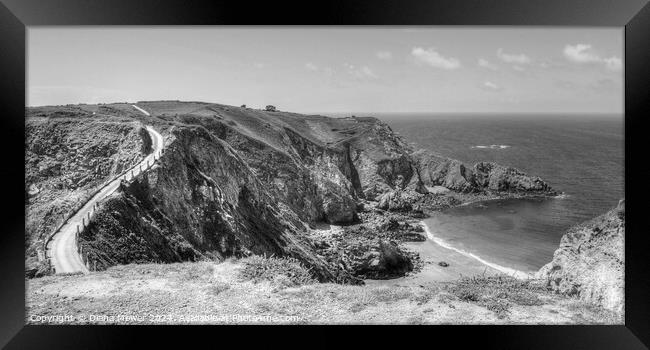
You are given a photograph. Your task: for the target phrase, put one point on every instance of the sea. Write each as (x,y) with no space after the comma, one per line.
(580,155)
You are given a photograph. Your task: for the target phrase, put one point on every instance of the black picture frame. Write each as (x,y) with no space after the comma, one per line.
(634,15)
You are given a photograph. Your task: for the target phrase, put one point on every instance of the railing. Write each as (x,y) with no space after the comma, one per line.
(90,264)
(42,254)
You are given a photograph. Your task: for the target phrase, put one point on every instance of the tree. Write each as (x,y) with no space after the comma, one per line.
(270,108)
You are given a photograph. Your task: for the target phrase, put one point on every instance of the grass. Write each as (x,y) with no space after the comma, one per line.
(498,293)
(284,272)
(391,294)
(218,287)
(259,287)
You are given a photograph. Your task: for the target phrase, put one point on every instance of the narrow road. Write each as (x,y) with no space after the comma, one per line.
(62,248)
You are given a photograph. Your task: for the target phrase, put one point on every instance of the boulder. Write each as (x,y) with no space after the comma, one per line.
(339,208)
(398,200)
(380,260)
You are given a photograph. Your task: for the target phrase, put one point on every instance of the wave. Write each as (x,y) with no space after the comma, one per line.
(492,146)
(506,270)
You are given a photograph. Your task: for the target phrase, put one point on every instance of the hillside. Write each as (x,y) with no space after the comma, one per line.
(590,262)
(69,153)
(236,182)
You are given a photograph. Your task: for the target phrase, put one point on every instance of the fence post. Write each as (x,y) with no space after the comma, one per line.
(131,174)
(88,216)
(83,222)
(94,265)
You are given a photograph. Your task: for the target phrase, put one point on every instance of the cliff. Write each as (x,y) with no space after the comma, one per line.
(69,153)
(236,181)
(590,262)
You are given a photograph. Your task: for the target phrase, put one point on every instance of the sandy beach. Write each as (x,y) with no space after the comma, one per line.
(459,264)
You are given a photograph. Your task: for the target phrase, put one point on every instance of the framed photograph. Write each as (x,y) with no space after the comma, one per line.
(441,164)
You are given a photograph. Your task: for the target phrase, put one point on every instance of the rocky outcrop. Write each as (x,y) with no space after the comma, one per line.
(487,177)
(497,178)
(380,260)
(382,160)
(398,200)
(590,261)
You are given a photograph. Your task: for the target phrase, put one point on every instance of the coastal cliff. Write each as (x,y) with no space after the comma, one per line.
(236,181)
(590,261)
(70,153)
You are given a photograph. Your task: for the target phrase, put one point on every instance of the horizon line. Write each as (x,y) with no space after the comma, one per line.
(352,112)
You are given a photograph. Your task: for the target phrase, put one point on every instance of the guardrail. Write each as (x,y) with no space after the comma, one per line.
(43,254)
(90,264)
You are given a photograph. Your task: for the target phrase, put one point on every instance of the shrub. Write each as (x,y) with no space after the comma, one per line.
(499,306)
(498,293)
(218,287)
(287,271)
(391,294)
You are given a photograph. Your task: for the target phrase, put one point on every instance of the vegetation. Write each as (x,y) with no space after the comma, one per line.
(498,293)
(218,289)
(284,271)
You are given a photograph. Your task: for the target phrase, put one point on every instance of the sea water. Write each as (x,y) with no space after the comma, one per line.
(580,155)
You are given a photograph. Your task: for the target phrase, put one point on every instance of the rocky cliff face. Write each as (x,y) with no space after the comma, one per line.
(590,261)
(69,153)
(436,170)
(202,201)
(237,181)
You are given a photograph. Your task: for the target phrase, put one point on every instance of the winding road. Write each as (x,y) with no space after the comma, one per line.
(62,247)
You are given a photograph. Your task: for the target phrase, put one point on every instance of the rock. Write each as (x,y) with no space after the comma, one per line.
(398,200)
(443,264)
(338,208)
(452,174)
(386,261)
(499,178)
(391,225)
(590,261)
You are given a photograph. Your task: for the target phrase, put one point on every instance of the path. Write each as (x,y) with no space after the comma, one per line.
(62,248)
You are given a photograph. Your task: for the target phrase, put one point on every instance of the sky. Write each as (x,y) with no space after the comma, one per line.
(334,69)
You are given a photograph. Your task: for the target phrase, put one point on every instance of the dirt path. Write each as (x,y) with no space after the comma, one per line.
(62,248)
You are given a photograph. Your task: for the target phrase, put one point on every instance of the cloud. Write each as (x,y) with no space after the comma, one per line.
(486,64)
(488,85)
(363,72)
(518,68)
(260,65)
(432,58)
(310,66)
(613,63)
(583,53)
(385,55)
(580,53)
(513,58)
